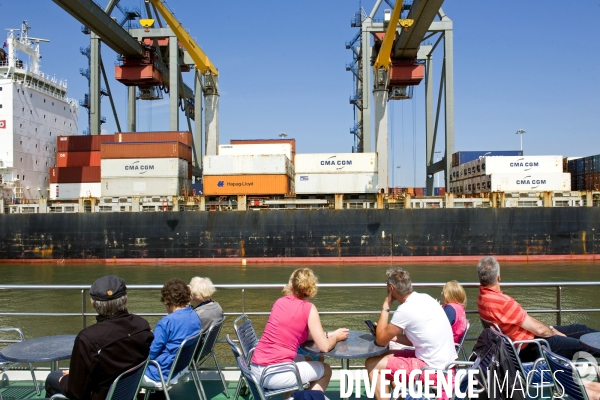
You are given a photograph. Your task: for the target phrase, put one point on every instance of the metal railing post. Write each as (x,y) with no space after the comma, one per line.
(559,305)
(83,319)
(243,301)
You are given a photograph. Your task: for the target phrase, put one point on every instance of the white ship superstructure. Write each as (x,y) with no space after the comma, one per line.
(34,110)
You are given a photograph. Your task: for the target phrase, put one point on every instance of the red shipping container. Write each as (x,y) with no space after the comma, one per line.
(82,143)
(129,137)
(190,171)
(74,174)
(419,192)
(442,191)
(146,150)
(78,159)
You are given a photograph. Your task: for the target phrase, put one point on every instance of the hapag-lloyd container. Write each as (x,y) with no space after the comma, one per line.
(144,167)
(128,137)
(527,164)
(78,158)
(267,164)
(146,150)
(330,163)
(70,191)
(538,182)
(82,142)
(247,184)
(336,183)
(139,186)
(255,149)
(74,174)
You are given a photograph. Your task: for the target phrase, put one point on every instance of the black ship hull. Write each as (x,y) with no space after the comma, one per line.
(301,234)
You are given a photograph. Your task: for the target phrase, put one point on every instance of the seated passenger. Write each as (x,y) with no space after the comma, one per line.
(455,300)
(180,323)
(504,311)
(425,327)
(208,310)
(117,342)
(292,321)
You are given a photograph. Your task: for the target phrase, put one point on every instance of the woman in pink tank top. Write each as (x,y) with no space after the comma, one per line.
(455,300)
(294,320)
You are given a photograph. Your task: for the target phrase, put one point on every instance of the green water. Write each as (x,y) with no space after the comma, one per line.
(148,301)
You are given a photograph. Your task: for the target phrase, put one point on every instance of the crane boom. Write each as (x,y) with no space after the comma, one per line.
(203,64)
(384,59)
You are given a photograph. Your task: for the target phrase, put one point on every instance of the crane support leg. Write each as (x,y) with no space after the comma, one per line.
(212,119)
(429,124)
(131,112)
(174,80)
(198,117)
(380,101)
(95,84)
(449,100)
(366,90)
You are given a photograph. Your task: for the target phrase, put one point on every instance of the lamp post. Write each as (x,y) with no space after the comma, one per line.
(521,132)
(399,176)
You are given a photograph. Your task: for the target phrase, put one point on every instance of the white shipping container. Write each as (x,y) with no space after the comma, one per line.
(144,167)
(139,186)
(329,163)
(532,182)
(335,183)
(267,164)
(255,149)
(70,191)
(522,164)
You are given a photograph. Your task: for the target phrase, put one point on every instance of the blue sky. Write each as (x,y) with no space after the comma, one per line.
(517,65)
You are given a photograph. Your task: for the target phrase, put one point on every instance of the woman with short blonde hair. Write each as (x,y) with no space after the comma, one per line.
(208,310)
(294,320)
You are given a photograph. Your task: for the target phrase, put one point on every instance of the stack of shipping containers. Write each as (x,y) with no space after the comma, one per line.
(263,168)
(585,173)
(77,171)
(147,164)
(510,174)
(336,173)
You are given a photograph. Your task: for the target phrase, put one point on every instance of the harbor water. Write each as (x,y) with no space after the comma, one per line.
(260,300)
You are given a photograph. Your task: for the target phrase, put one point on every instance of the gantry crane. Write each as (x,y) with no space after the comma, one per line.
(152,58)
(398,66)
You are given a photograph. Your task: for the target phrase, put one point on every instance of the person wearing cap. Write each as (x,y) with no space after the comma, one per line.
(101,352)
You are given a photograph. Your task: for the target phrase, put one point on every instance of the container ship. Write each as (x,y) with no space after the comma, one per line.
(134,196)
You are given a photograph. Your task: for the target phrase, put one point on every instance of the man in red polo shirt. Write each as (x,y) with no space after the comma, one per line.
(514,321)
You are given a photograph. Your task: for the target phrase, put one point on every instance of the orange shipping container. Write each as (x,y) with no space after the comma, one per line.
(246,184)
(78,159)
(183,137)
(267,141)
(82,142)
(146,150)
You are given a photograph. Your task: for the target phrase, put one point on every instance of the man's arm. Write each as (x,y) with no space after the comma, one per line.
(538,328)
(385,331)
(74,385)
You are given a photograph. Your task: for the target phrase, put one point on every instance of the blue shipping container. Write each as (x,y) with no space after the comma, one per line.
(197,189)
(461,157)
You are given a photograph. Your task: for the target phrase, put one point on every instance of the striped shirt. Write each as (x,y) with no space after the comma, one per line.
(497,307)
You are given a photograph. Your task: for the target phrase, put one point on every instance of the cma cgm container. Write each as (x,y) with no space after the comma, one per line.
(138,186)
(537,182)
(255,149)
(533,164)
(328,163)
(82,143)
(336,183)
(74,174)
(247,184)
(144,167)
(461,157)
(183,137)
(78,159)
(71,191)
(264,164)
(147,150)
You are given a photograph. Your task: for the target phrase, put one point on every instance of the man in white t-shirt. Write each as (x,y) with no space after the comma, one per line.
(425,327)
